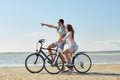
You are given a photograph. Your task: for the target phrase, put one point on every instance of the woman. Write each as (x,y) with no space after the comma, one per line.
(71,44)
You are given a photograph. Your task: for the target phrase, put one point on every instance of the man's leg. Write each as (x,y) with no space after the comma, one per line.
(50,51)
(61,55)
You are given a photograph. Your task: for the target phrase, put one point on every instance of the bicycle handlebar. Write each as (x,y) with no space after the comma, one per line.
(41,41)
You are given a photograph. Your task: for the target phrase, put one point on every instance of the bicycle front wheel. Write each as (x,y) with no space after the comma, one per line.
(54,68)
(34,63)
(82,62)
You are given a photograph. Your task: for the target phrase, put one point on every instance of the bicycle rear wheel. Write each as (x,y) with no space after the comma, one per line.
(34,63)
(54,69)
(82,62)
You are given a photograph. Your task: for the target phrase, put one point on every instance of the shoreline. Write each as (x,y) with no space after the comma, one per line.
(23,65)
(97,72)
(111,52)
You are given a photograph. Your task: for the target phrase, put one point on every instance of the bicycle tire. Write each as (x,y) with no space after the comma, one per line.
(31,64)
(59,65)
(79,68)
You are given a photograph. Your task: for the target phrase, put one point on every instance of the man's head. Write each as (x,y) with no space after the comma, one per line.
(60,22)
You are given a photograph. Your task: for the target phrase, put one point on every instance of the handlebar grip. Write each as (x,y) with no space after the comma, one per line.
(41,41)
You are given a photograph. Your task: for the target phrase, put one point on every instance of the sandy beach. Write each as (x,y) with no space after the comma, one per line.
(97,72)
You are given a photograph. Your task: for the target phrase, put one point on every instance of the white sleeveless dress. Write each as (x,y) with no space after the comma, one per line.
(72,46)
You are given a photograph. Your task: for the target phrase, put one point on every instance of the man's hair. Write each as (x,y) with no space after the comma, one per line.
(61,20)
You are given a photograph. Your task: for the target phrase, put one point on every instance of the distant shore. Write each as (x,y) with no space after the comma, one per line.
(97,72)
(14,59)
(114,51)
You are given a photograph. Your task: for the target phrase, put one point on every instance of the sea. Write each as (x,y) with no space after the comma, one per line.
(17,59)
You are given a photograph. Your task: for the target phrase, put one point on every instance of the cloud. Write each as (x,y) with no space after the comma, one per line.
(107,45)
(108,42)
(34,34)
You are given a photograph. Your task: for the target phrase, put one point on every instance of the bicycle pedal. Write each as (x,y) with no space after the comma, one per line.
(55,65)
(50,62)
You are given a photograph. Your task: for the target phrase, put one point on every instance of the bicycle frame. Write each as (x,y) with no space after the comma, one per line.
(58,50)
(41,50)
(58,53)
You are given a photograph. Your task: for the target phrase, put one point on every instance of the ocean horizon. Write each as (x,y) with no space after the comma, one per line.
(17,59)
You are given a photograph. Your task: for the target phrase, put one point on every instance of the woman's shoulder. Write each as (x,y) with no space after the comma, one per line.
(70,32)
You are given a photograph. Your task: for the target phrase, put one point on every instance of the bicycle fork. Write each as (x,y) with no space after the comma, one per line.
(36,59)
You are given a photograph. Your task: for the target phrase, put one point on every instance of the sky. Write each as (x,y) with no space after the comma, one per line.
(96,23)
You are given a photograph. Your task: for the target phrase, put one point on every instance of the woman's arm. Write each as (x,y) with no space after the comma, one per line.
(67,35)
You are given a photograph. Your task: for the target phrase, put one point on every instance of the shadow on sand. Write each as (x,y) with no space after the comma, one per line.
(97,74)
(89,73)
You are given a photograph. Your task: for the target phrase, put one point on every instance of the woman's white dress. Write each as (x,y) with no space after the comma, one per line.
(72,46)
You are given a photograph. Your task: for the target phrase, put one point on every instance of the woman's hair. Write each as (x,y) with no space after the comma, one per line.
(70,28)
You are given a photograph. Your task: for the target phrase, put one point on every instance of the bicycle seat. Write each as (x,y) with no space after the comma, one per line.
(41,40)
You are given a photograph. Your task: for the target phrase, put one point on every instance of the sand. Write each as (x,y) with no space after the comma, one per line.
(97,72)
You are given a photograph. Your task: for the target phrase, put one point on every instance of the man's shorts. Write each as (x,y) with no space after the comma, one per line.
(55,45)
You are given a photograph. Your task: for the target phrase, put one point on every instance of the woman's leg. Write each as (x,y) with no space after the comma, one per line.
(70,55)
(67,56)
(63,58)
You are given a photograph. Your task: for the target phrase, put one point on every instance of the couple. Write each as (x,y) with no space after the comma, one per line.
(65,34)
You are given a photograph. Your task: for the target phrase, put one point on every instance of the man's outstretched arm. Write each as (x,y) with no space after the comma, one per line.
(50,26)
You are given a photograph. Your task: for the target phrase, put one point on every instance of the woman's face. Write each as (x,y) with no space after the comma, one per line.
(66,29)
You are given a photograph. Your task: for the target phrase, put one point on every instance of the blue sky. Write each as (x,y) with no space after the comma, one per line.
(96,23)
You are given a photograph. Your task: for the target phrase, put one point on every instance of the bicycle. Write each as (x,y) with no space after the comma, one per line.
(81,62)
(35,62)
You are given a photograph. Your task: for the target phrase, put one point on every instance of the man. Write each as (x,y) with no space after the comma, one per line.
(60,31)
